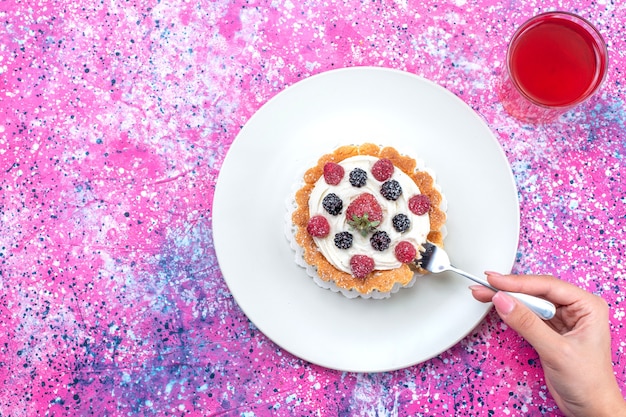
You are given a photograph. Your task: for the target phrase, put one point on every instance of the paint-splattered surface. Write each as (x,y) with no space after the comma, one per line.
(115,119)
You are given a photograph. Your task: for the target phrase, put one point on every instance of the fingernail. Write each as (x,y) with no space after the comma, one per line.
(503,302)
(475,287)
(493,273)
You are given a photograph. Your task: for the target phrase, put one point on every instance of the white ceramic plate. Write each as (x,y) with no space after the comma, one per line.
(289,133)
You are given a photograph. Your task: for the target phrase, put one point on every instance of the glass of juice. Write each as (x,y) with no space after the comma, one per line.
(555,61)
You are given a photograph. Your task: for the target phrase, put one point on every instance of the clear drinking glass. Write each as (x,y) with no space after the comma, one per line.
(555,61)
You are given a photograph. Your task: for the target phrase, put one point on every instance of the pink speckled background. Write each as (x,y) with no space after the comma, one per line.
(115,119)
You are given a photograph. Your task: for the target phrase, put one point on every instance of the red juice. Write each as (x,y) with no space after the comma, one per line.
(555,61)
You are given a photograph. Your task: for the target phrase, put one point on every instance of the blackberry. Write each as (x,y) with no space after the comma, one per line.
(401,222)
(332,203)
(358,177)
(391,190)
(343,240)
(380,240)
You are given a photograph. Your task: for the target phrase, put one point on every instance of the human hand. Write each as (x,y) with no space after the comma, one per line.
(574,346)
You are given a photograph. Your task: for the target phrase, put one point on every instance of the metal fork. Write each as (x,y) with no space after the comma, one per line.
(434,259)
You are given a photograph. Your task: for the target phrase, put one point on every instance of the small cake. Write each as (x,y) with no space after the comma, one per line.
(359,219)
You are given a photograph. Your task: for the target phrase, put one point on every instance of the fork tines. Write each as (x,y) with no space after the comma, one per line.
(425,255)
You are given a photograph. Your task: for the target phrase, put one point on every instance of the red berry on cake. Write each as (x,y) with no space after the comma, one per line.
(318,226)
(333,173)
(382,169)
(419,204)
(361,265)
(405,252)
(364,214)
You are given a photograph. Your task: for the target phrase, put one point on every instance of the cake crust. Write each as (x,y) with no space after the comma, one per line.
(377,280)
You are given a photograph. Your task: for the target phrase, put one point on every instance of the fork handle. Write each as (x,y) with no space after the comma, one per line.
(543,308)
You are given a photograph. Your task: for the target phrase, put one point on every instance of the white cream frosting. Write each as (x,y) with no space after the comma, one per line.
(383,260)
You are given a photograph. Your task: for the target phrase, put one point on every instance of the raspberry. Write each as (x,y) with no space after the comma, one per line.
(391,190)
(382,169)
(419,204)
(380,240)
(401,222)
(358,177)
(361,265)
(343,240)
(332,203)
(333,173)
(318,226)
(405,252)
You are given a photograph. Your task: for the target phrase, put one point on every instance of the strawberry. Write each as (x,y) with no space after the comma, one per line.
(318,226)
(419,204)
(382,169)
(333,173)
(364,213)
(361,265)
(405,252)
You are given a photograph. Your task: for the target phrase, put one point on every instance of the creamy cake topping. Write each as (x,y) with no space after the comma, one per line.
(366,214)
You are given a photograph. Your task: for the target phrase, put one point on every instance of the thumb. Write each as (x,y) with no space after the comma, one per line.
(521,319)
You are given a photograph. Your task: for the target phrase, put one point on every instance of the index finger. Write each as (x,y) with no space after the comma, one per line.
(544,286)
